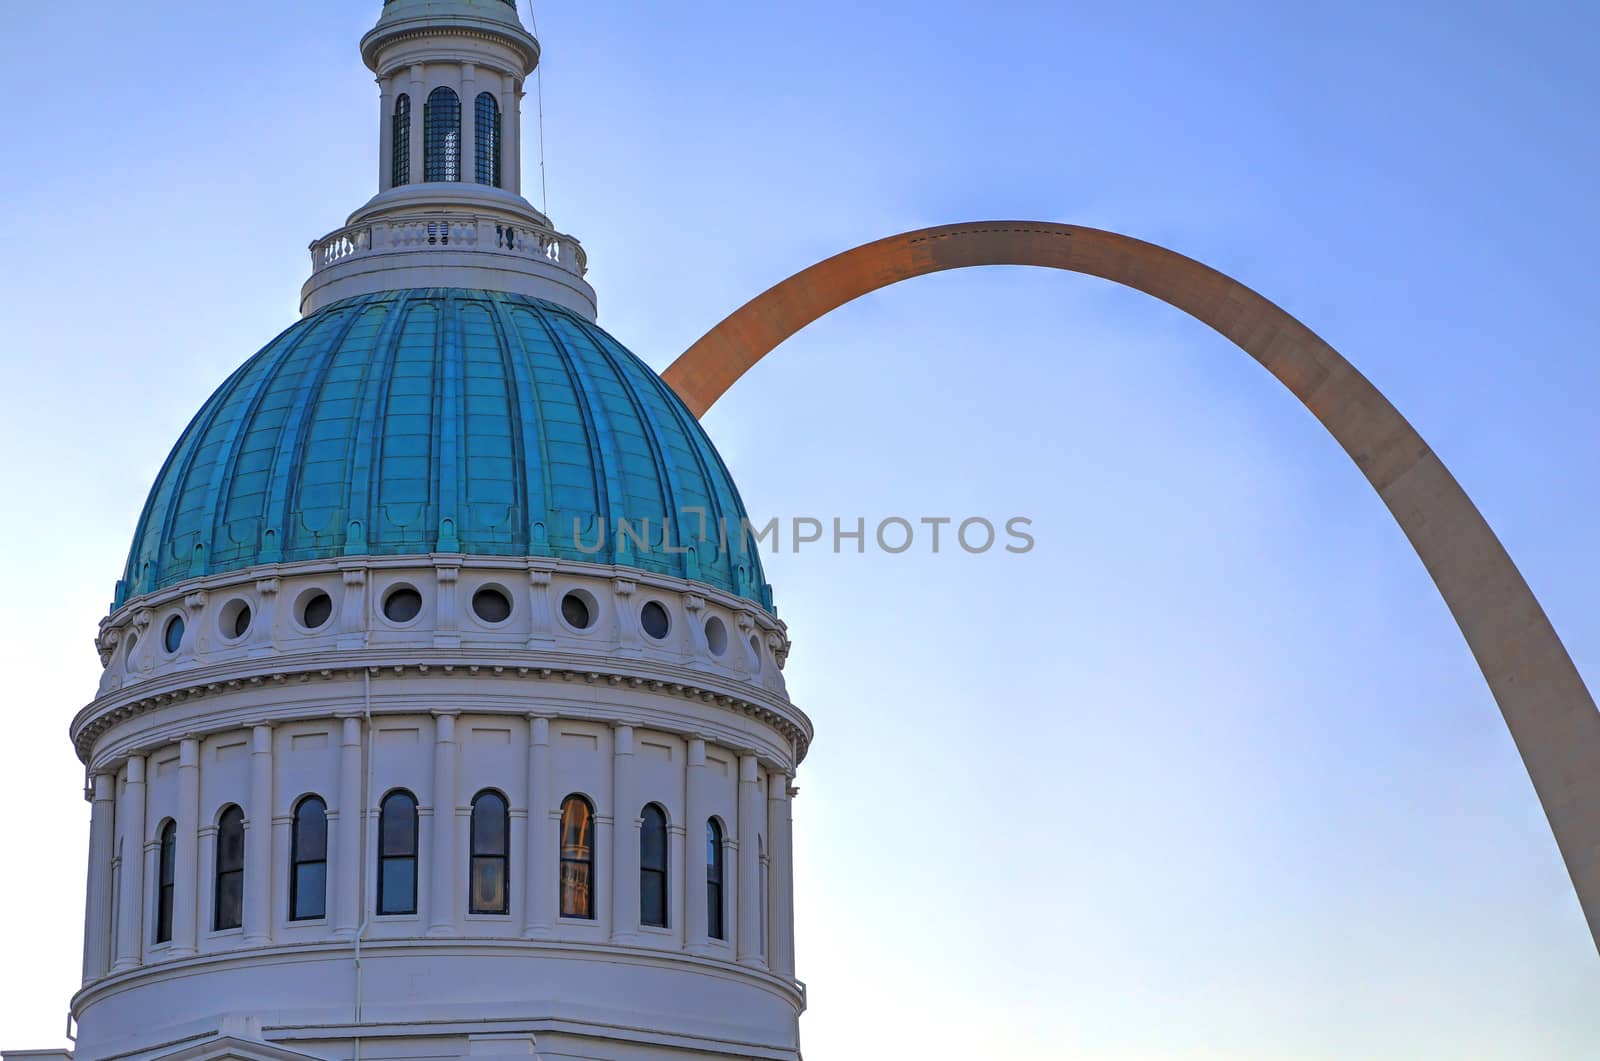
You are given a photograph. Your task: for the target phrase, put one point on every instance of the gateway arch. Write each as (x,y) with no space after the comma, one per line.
(1548,709)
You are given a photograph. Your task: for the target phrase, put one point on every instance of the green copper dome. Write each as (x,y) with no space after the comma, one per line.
(444,421)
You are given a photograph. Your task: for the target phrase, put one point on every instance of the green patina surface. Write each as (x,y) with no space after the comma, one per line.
(444,421)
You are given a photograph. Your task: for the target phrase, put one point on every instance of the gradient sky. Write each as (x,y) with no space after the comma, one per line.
(1208,774)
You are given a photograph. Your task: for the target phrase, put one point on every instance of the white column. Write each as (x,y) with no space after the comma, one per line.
(511,176)
(780,876)
(446,867)
(539,876)
(624,838)
(675,863)
(345,887)
(130,816)
(385,133)
(258,862)
(752,815)
(186,872)
(697,804)
(419,101)
(97,905)
(469,123)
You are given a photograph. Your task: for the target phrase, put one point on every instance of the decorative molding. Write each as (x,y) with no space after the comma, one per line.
(89,726)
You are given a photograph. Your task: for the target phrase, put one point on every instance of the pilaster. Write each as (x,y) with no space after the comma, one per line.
(539,877)
(258,860)
(442,914)
(186,872)
(625,838)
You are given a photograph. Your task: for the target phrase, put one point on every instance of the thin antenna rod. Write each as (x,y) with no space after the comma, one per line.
(538,83)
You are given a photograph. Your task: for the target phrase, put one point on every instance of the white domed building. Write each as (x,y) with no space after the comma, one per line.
(442,713)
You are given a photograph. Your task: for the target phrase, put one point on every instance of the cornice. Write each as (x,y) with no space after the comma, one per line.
(122,705)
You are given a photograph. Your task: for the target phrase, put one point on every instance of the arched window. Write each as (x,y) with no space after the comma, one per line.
(227,904)
(397,853)
(487,126)
(400,156)
(714,927)
(653,867)
(308,861)
(166,872)
(577,858)
(491,864)
(441,136)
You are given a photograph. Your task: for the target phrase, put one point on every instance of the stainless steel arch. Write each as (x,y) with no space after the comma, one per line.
(1550,713)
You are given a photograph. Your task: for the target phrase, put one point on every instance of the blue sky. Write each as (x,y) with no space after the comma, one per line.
(1210,772)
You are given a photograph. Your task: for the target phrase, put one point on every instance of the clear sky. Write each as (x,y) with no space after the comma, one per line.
(1208,774)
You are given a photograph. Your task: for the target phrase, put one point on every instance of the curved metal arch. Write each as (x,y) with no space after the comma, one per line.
(1546,706)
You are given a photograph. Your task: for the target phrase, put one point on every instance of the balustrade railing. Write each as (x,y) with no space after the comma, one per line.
(457,232)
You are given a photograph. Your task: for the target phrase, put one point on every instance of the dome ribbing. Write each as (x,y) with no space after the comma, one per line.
(444,421)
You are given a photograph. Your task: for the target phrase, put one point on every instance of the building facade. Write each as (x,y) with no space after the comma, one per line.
(442,711)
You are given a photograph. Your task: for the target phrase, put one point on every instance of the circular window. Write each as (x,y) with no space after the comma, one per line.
(576,610)
(491,604)
(316,608)
(655,621)
(716,636)
(172,638)
(402,605)
(235,619)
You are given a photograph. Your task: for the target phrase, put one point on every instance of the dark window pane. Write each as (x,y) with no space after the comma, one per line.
(488,825)
(311,831)
(164,914)
(489,886)
(397,826)
(230,840)
(653,899)
(319,609)
(575,610)
(653,839)
(230,900)
(654,620)
(397,886)
(714,910)
(169,853)
(310,891)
